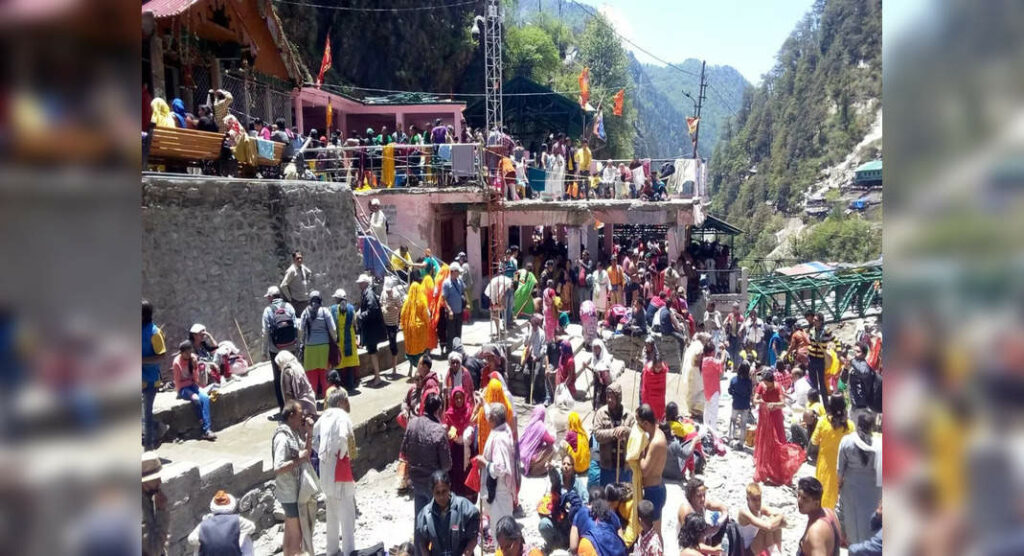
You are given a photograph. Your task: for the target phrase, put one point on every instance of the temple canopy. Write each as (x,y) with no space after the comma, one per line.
(532,111)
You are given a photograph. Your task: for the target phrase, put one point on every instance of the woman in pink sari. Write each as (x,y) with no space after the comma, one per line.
(775,460)
(536,445)
(550,315)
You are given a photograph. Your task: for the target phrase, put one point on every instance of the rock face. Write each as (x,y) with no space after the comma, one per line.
(630,349)
(211,247)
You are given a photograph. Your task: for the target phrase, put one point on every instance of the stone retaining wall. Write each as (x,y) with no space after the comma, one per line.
(190,489)
(211,246)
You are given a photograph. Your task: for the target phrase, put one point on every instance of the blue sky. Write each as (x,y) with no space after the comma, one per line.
(745,34)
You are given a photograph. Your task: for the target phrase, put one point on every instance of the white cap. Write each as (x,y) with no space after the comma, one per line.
(339,294)
(364,279)
(273,291)
(197,329)
(375,201)
(454,267)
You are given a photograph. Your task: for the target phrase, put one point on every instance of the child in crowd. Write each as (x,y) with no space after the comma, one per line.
(741,388)
(649,543)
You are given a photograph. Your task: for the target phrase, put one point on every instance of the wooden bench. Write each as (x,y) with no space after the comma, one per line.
(180,145)
(278,153)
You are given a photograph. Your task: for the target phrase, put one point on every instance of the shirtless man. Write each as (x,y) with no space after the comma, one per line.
(652,463)
(821,538)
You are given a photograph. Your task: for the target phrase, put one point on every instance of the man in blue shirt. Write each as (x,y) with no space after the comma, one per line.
(153,352)
(454,293)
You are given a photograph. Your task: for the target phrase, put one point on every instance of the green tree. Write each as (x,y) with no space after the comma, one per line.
(531,52)
(601,51)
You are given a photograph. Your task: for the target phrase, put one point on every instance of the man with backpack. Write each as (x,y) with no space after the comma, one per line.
(280,332)
(862,383)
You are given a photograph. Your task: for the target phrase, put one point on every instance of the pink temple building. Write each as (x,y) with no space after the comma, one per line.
(350,114)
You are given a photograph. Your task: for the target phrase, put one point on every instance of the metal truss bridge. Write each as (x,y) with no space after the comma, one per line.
(839,294)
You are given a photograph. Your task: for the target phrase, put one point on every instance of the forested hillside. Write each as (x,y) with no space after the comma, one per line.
(808,114)
(548,41)
(723,96)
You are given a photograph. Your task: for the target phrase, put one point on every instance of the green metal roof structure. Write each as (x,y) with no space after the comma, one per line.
(840,294)
(531,111)
(871,165)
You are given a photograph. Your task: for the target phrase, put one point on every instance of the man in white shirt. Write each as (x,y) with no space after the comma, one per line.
(334,441)
(297,283)
(752,332)
(216,533)
(378,222)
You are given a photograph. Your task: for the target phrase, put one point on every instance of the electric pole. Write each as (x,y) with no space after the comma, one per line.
(700,102)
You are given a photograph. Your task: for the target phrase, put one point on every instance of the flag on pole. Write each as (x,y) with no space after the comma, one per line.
(330,118)
(599,125)
(618,98)
(325,64)
(691,124)
(584,80)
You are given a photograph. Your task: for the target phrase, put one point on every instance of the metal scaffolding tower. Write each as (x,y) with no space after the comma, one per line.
(492,63)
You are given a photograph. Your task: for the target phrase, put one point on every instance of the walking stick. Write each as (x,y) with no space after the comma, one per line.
(244,343)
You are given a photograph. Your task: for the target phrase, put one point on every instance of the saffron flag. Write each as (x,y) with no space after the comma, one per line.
(691,124)
(619,98)
(584,80)
(599,125)
(330,117)
(325,64)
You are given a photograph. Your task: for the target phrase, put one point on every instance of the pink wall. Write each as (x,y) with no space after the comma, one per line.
(310,111)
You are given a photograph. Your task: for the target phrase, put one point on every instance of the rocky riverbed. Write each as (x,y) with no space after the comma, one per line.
(387,517)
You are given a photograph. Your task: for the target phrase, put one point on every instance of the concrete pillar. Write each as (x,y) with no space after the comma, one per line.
(298,114)
(574,237)
(156,64)
(608,238)
(590,240)
(400,121)
(457,122)
(673,241)
(216,81)
(476,265)
(268,107)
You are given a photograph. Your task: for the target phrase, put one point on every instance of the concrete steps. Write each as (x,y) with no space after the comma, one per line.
(246,396)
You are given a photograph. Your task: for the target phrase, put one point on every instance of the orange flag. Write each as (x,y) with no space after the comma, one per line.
(330,118)
(619,98)
(691,124)
(584,86)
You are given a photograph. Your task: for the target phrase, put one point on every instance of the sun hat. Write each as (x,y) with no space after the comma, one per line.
(151,467)
(339,294)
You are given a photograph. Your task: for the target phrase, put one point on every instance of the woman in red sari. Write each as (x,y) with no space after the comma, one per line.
(775,460)
(566,368)
(459,417)
(652,384)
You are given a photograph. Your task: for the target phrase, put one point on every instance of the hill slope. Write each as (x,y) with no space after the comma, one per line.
(809,114)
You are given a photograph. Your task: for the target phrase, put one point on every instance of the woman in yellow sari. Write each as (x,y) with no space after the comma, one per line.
(415,321)
(437,308)
(827,435)
(429,291)
(579,444)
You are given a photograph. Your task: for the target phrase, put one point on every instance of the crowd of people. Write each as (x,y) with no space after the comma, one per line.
(431,154)
(462,443)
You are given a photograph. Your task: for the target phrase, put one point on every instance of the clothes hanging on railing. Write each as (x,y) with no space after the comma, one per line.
(463,159)
(387,170)
(537,178)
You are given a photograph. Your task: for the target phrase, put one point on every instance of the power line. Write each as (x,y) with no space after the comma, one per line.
(354,9)
(399,91)
(636,46)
